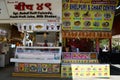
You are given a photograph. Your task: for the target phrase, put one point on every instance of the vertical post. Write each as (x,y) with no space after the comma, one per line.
(110,44)
(60,35)
(97,45)
(24,39)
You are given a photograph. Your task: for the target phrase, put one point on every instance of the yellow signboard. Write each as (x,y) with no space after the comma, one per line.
(88,15)
(85,70)
(90,70)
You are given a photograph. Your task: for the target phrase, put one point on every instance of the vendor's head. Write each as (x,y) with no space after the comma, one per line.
(67,48)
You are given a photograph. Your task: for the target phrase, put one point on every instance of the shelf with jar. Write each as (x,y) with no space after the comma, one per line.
(39,27)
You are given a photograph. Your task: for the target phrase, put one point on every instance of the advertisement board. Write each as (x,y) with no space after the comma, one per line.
(78,71)
(88,14)
(43,10)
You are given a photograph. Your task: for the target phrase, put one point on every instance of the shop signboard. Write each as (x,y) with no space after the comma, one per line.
(3,10)
(43,10)
(90,70)
(78,71)
(88,14)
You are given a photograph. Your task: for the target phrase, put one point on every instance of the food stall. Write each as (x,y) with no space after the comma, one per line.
(38,53)
(85,23)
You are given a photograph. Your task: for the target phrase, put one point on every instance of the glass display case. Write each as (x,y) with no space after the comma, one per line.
(37,54)
(37,59)
(40,50)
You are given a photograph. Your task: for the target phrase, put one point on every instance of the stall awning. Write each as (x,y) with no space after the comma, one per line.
(86,34)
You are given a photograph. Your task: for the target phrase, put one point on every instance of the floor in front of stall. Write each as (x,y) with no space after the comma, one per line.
(6,74)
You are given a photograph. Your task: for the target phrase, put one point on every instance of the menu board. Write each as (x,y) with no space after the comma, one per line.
(85,70)
(88,14)
(90,70)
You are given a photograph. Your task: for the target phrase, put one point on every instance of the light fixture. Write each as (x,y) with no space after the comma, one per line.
(30,31)
(118,7)
(45,35)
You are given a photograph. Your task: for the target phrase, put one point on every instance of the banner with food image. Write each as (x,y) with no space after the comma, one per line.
(78,71)
(88,15)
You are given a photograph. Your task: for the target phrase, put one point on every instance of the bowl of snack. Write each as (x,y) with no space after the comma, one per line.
(86,14)
(96,24)
(38,26)
(66,23)
(76,14)
(77,23)
(105,24)
(87,23)
(98,14)
(67,14)
(107,15)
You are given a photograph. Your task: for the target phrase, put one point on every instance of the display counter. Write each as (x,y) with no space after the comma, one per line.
(37,60)
(37,55)
(82,65)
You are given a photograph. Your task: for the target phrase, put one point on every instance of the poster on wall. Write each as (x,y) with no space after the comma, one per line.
(3,10)
(88,14)
(44,10)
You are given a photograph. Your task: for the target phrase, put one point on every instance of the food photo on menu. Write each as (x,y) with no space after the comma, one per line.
(76,14)
(105,24)
(98,14)
(87,14)
(87,23)
(66,24)
(67,14)
(107,15)
(96,24)
(77,23)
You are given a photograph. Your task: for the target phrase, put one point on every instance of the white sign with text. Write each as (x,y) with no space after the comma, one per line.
(49,10)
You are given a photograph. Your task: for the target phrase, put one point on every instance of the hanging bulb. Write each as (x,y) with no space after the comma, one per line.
(45,35)
(4,39)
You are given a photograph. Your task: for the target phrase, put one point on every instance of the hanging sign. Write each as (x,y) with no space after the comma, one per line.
(87,34)
(88,14)
(35,9)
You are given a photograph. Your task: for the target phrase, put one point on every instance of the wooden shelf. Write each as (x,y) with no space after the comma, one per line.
(36,75)
(34,61)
